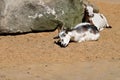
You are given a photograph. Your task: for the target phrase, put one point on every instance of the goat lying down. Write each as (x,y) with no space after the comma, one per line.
(97,19)
(81,32)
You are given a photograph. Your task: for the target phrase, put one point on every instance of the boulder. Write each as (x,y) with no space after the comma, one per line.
(21,16)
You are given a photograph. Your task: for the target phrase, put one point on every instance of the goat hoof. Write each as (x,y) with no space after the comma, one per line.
(109,27)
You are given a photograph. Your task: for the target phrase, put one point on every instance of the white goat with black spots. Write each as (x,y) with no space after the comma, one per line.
(97,19)
(81,32)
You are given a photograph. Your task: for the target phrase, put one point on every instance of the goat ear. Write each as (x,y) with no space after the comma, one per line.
(67,30)
(84,5)
(91,5)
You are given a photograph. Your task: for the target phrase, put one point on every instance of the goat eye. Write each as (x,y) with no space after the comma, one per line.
(64,35)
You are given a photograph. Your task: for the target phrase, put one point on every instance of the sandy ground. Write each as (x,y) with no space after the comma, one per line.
(34,56)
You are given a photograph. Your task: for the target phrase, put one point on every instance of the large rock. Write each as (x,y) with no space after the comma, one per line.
(19,16)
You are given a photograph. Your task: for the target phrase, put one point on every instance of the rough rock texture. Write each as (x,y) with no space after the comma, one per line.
(19,16)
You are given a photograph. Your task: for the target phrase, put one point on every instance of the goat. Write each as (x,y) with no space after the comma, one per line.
(81,32)
(97,19)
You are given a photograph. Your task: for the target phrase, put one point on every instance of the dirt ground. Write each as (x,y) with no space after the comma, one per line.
(34,56)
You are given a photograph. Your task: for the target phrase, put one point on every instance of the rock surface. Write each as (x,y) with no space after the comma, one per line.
(20,16)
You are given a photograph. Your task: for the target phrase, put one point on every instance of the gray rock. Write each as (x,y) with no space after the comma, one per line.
(20,16)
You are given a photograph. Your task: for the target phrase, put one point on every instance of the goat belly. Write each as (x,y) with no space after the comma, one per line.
(98,21)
